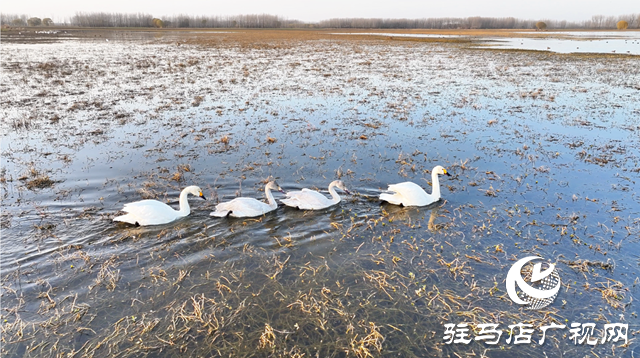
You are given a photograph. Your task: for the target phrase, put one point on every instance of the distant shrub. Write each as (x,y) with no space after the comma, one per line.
(157,23)
(622,25)
(47,21)
(40,182)
(17,22)
(34,21)
(540,25)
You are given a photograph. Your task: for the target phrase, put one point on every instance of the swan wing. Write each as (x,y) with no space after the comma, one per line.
(394,199)
(223,209)
(307,200)
(148,212)
(407,194)
(128,218)
(302,193)
(149,203)
(406,187)
(241,208)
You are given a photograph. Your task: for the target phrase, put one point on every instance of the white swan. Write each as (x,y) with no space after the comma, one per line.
(248,207)
(153,212)
(411,194)
(307,199)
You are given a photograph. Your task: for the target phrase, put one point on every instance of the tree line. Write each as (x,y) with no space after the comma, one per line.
(477,22)
(104,19)
(24,20)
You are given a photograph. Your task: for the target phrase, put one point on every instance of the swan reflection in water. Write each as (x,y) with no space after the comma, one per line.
(415,214)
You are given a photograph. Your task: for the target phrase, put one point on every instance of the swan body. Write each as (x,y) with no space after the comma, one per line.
(307,199)
(248,207)
(411,194)
(153,212)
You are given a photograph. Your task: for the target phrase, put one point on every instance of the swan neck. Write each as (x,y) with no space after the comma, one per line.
(335,198)
(435,185)
(184,204)
(270,199)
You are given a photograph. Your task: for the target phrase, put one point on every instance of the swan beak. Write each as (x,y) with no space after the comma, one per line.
(282,191)
(446,173)
(347,191)
(202,196)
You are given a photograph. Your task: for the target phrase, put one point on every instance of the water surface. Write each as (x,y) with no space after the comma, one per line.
(544,159)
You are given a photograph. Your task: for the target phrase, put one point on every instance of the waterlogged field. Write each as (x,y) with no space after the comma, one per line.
(589,42)
(543,149)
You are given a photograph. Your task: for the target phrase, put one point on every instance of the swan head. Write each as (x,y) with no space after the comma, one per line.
(340,185)
(195,190)
(441,170)
(272,185)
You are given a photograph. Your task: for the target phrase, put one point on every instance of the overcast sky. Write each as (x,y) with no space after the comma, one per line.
(573,10)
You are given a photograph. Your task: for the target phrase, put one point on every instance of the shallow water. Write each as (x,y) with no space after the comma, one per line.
(543,154)
(629,46)
(591,34)
(622,42)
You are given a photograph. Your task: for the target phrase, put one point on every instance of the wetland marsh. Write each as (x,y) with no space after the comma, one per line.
(543,151)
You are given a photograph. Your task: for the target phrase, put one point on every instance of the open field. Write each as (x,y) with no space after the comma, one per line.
(247,36)
(543,148)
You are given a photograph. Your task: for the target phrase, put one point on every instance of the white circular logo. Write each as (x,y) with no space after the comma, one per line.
(543,288)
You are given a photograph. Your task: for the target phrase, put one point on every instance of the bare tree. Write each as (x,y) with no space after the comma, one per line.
(103,19)
(598,21)
(13,19)
(633,20)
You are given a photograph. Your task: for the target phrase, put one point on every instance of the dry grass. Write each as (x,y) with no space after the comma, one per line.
(107,275)
(280,37)
(613,293)
(267,338)
(38,179)
(373,341)
(286,38)
(40,182)
(224,140)
(378,283)
(384,301)
(177,176)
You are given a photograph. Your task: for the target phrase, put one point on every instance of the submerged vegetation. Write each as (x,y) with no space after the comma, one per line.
(542,150)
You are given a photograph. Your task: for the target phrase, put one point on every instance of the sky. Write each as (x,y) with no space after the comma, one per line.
(312,11)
